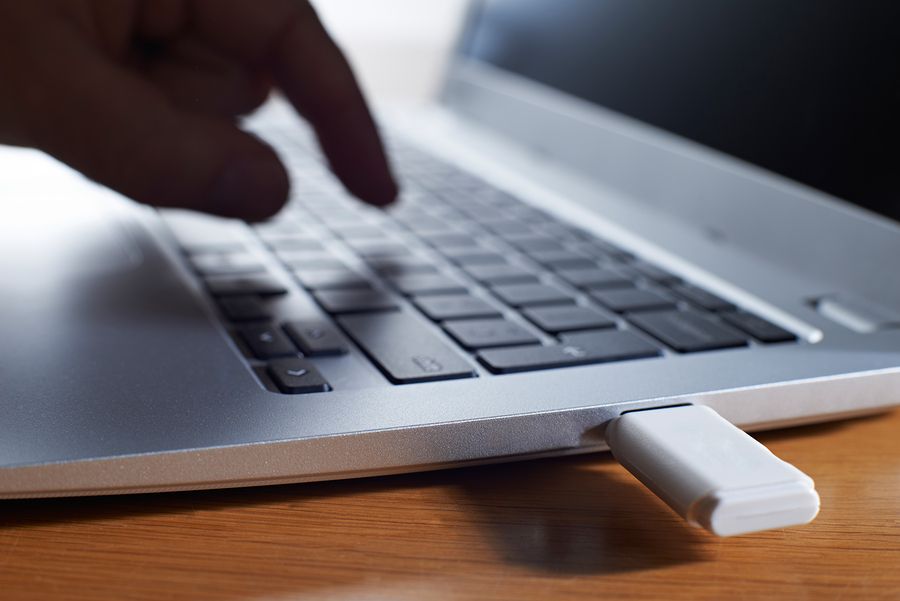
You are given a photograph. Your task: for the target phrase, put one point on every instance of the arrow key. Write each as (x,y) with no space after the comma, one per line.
(297,376)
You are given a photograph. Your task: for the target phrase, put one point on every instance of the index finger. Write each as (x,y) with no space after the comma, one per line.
(287,37)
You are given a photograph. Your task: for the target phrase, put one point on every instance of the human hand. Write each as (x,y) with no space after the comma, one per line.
(141,95)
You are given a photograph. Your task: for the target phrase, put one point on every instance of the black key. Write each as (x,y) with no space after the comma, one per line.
(226,285)
(399,265)
(599,347)
(427,283)
(331,279)
(355,301)
(524,295)
(484,333)
(652,272)
(266,341)
(404,348)
(454,306)
(595,277)
(315,337)
(297,376)
(564,318)
(500,273)
(702,298)
(561,259)
(225,263)
(244,308)
(758,327)
(621,300)
(688,331)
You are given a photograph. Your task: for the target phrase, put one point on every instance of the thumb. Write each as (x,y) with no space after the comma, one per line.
(123,132)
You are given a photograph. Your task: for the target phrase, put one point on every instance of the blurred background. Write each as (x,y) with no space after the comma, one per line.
(399,48)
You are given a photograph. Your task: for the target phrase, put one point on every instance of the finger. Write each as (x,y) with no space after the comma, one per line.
(221,93)
(196,79)
(286,35)
(121,131)
(161,19)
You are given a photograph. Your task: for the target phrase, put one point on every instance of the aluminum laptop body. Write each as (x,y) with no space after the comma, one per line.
(119,373)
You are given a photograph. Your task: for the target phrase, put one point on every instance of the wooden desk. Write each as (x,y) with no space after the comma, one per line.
(570,528)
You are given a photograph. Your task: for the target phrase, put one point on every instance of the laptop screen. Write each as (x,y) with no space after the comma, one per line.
(809,89)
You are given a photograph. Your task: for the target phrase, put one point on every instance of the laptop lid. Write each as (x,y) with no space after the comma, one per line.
(641,95)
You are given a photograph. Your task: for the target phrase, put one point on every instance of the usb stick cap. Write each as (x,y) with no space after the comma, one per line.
(710,472)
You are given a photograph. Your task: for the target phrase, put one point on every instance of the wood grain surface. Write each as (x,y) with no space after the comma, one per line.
(570,528)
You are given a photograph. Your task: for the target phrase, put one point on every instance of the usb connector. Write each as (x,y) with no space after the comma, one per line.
(710,472)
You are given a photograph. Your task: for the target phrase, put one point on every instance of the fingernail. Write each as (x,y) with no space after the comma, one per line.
(251,188)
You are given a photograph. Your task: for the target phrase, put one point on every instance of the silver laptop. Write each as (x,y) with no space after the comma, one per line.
(601,214)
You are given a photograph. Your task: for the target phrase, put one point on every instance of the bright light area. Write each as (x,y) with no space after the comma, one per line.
(399,48)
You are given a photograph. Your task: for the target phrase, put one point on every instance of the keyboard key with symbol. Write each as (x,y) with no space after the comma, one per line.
(316,337)
(405,348)
(297,376)
(266,341)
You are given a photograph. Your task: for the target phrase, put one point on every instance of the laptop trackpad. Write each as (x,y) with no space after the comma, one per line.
(56,225)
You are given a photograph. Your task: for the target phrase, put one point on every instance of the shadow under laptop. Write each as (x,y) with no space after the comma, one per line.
(576,515)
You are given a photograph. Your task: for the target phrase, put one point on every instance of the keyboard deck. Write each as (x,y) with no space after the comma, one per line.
(458,274)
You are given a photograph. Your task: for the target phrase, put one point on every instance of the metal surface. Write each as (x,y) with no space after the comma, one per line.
(120,379)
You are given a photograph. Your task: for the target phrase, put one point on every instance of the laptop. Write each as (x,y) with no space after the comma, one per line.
(613,206)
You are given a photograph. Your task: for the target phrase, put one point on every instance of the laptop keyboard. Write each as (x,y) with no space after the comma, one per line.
(459,274)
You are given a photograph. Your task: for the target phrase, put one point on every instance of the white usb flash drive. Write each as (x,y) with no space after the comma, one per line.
(710,472)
